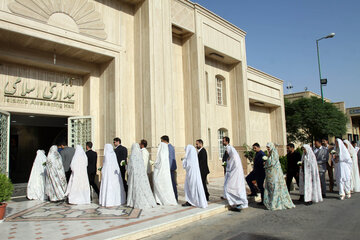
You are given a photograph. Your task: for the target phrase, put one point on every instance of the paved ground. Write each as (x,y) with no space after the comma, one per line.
(37,220)
(331,219)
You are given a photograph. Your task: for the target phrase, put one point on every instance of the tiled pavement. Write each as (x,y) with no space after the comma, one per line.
(100,223)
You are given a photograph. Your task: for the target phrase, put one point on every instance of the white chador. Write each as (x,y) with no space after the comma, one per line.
(139,192)
(355,178)
(193,187)
(309,178)
(112,191)
(234,186)
(78,190)
(36,184)
(55,183)
(343,169)
(163,189)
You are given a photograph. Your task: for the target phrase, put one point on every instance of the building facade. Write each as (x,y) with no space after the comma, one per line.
(95,70)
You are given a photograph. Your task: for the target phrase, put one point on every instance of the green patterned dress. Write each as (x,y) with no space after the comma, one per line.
(276,195)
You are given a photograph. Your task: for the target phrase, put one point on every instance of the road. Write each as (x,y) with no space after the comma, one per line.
(331,219)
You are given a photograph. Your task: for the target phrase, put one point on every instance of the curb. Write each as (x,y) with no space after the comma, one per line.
(171,224)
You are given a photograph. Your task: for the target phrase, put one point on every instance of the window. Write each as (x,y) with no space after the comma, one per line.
(221,133)
(220,90)
(207,86)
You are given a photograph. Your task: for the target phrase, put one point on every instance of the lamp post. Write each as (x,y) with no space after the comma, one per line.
(331,35)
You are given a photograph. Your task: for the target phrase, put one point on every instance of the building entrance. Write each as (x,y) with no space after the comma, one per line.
(29,133)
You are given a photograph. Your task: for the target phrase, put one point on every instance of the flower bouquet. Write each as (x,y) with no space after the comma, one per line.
(100,168)
(123,163)
(299,163)
(152,162)
(224,164)
(265,158)
(44,164)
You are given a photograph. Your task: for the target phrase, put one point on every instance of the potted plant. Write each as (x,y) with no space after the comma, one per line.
(6,191)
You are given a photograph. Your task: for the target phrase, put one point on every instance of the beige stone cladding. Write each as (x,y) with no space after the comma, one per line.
(141,69)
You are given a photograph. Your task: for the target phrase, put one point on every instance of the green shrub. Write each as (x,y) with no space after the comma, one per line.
(249,153)
(284,163)
(6,188)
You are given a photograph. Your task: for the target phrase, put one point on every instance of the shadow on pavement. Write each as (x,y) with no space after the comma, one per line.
(252,236)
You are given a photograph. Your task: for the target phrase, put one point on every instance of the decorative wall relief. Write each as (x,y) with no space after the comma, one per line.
(74,15)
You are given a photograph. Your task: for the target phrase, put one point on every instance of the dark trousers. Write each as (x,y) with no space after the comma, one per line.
(92,182)
(331,176)
(67,175)
(289,178)
(260,183)
(173,180)
(203,179)
(122,171)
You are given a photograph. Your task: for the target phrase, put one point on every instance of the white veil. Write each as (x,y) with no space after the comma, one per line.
(36,184)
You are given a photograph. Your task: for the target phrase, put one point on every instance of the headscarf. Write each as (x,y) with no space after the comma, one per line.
(310,155)
(54,155)
(344,154)
(79,161)
(162,155)
(135,158)
(273,151)
(110,160)
(350,148)
(191,158)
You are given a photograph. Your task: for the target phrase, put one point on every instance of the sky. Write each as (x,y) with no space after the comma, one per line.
(281,41)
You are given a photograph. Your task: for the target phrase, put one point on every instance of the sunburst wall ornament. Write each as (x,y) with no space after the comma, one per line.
(74,15)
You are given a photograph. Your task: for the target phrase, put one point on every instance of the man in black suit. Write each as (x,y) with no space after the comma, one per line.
(258,173)
(121,155)
(293,157)
(203,165)
(91,168)
(226,141)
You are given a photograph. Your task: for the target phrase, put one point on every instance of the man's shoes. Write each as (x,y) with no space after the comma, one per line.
(301,199)
(252,195)
(308,203)
(324,196)
(223,198)
(260,204)
(186,204)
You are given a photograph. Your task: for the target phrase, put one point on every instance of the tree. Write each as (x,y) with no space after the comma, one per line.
(309,118)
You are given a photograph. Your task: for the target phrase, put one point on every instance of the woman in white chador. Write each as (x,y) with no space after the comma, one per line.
(139,192)
(234,186)
(163,189)
(112,192)
(309,179)
(355,178)
(55,184)
(36,184)
(78,190)
(343,166)
(193,187)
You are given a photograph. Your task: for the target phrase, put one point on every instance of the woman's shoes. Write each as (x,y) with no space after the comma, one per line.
(348,195)
(342,197)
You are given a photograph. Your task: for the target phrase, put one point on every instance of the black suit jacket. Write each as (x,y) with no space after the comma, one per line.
(92,160)
(121,154)
(259,170)
(203,162)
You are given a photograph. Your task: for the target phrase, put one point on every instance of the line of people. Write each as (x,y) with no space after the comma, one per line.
(70,173)
(309,171)
(67,173)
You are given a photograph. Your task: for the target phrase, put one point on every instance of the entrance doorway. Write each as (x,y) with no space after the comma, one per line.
(29,133)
